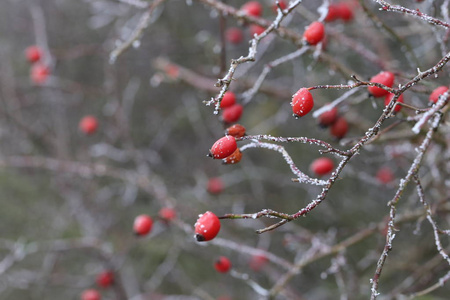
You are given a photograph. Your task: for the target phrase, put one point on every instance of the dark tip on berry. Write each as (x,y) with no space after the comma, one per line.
(199,237)
(209,155)
(322,126)
(136,234)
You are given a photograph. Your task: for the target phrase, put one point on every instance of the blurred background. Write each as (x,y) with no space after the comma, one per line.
(69,196)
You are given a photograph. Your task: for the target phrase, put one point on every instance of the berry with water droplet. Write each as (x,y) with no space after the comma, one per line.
(207,227)
(223,147)
(302,102)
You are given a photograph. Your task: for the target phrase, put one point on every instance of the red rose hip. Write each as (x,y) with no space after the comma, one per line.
(236,130)
(339,128)
(388,99)
(215,185)
(90,294)
(207,227)
(314,33)
(434,96)
(142,225)
(234,35)
(302,102)
(88,124)
(385,78)
(232,114)
(105,279)
(233,158)
(223,147)
(252,8)
(322,166)
(328,118)
(229,99)
(33,53)
(167,214)
(222,265)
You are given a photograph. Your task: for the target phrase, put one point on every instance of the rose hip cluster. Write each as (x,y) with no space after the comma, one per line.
(39,71)
(226,147)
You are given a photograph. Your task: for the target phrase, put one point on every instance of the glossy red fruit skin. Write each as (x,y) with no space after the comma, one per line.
(345,12)
(215,186)
(88,125)
(314,33)
(302,102)
(222,265)
(33,53)
(257,262)
(236,130)
(105,279)
(207,227)
(234,35)
(339,128)
(142,225)
(223,147)
(386,78)
(322,166)
(232,114)
(167,214)
(39,73)
(328,118)
(384,175)
(90,294)
(434,96)
(256,29)
(233,158)
(252,8)
(389,98)
(229,99)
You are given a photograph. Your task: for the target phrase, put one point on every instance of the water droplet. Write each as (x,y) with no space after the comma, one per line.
(136,44)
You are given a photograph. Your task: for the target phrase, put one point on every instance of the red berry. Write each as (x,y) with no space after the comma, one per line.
(314,33)
(386,78)
(339,128)
(333,13)
(88,124)
(228,100)
(172,71)
(389,98)
(236,130)
(222,265)
(105,279)
(233,158)
(282,3)
(167,214)
(252,8)
(302,102)
(90,294)
(322,166)
(234,35)
(434,96)
(385,175)
(215,185)
(33,53)
(223,147)
(232,114)
(344,11)
(256,29)
(207,227)
(142,225)
(329,117)
(257,262)
(39,73)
